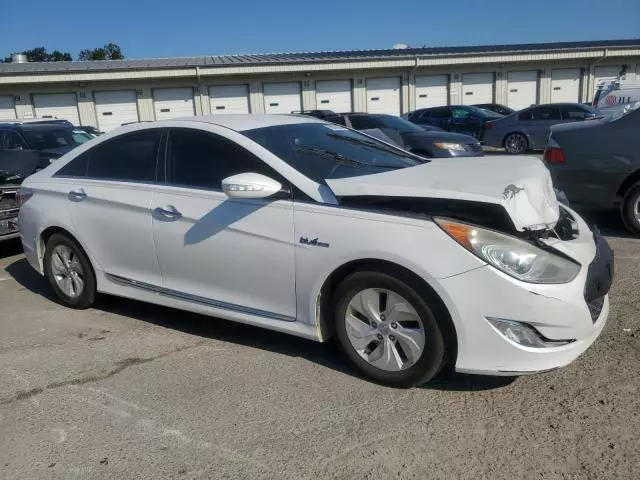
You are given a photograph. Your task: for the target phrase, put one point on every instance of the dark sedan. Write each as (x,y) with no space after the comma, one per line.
(426,143)
(464,119)
(597,163)
(48,140)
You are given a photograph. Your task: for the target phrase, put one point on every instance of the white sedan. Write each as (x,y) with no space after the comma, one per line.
(313,229)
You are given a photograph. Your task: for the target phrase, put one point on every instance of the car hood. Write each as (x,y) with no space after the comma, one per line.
(442,136)
(522,185)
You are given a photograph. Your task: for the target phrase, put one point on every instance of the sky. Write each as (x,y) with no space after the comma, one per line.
(167,28)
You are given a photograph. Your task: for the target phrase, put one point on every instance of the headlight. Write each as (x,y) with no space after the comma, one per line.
(511,255)
(456,147)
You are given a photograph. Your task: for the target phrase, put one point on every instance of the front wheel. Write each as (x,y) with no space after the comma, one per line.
(387,329)
(631,209)
(516,143)
(69,272)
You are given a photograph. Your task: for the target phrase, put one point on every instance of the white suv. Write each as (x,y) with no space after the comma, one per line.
(316,230)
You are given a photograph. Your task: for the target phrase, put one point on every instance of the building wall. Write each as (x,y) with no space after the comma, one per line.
(200,80)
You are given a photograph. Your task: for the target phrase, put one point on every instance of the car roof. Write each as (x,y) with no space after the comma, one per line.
(35,126)
(242,122)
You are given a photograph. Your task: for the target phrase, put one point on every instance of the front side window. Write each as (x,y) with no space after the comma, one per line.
(202,160)
(460,113)
(571,112)
(130,157)
(320,151)
(546,113)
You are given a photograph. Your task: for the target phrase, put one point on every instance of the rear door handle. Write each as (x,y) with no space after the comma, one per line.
(168,211)
(77,195)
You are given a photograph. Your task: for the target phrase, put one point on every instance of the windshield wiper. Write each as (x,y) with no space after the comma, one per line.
(335,155)
(399,152)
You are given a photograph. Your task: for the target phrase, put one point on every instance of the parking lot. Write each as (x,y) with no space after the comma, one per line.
(129,390)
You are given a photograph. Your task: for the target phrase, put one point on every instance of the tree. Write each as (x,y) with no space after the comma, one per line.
(110,51)
(40,54)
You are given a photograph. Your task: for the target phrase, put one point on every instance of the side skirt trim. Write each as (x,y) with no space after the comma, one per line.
(197,299)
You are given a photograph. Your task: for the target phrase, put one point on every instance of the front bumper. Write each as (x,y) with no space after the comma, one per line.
(577,310)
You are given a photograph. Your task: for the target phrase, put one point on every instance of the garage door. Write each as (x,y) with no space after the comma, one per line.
(334,95)
(565,85)
(282,97)
(477,88)
(57,105)
(115,108)
(605,74)
(227,99)
(383,95)
(173,102)
(432,91)
(7,108)
(522,89)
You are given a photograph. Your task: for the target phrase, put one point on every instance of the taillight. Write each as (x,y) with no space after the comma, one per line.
(22,195)
(553,153)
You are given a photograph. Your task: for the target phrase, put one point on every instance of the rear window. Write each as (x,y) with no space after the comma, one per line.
(320,151)
(525,114)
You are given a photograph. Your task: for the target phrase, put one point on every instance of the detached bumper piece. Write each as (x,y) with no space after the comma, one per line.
(599,276)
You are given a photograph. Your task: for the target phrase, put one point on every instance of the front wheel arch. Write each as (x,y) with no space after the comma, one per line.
(334,279)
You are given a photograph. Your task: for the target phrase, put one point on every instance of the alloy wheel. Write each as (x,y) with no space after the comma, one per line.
(515,143)
(384,329)
(67,271)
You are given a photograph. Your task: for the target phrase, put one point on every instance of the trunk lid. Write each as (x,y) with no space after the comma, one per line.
(521,185)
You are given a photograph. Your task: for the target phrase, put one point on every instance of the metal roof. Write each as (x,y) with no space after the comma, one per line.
(308,57)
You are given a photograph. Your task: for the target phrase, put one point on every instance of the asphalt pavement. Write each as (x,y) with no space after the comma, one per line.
(128,390)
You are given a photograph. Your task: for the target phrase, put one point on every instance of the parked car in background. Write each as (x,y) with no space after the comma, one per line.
(48,140)
(496,107)
(322,114)
(309,228)
(528,129)
(464,119)
(426,143)
(597,164)
(616,93)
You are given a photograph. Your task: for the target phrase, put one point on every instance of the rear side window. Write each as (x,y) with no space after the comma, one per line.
(571,112)
(202,160)
(525,114)
(131,157)
(436,113)
(546,113)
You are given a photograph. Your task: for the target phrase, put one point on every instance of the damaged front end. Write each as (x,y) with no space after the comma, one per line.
(8,212)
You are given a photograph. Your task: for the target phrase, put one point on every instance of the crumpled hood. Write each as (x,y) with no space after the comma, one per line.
(522,185)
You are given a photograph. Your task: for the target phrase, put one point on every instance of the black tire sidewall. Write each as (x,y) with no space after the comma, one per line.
(432,359)
(519,135)
(628,215)
(87,297)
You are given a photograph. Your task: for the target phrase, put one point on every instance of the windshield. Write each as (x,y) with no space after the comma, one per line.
(55,137)
(484,113)
(321,151)
(399,125)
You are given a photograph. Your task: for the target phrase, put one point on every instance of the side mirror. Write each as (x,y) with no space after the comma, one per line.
(250,185)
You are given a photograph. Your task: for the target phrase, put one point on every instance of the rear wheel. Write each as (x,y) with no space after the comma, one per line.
(69,272)
(516,143)
(387,329)
(631,209)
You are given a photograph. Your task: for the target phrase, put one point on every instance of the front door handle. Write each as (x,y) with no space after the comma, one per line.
(77,195)
(168,211)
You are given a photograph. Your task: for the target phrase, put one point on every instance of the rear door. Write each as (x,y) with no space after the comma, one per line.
(108,191)
(543,117)
(234,254)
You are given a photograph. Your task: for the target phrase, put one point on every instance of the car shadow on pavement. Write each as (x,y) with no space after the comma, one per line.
(326,354)
(609,222)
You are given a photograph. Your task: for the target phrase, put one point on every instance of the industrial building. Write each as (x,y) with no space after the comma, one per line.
(108,93)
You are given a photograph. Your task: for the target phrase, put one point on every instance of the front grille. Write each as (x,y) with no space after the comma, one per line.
(8,200)
(474,147)
(595,308)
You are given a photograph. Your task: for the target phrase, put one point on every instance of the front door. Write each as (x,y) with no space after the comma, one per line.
(234,254)
(463,121)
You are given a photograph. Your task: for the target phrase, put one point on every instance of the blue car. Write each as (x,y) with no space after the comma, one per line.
(465,119)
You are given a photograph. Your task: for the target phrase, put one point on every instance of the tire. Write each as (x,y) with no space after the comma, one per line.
(516,143)
(69,272)
(631,209)
(407,365)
